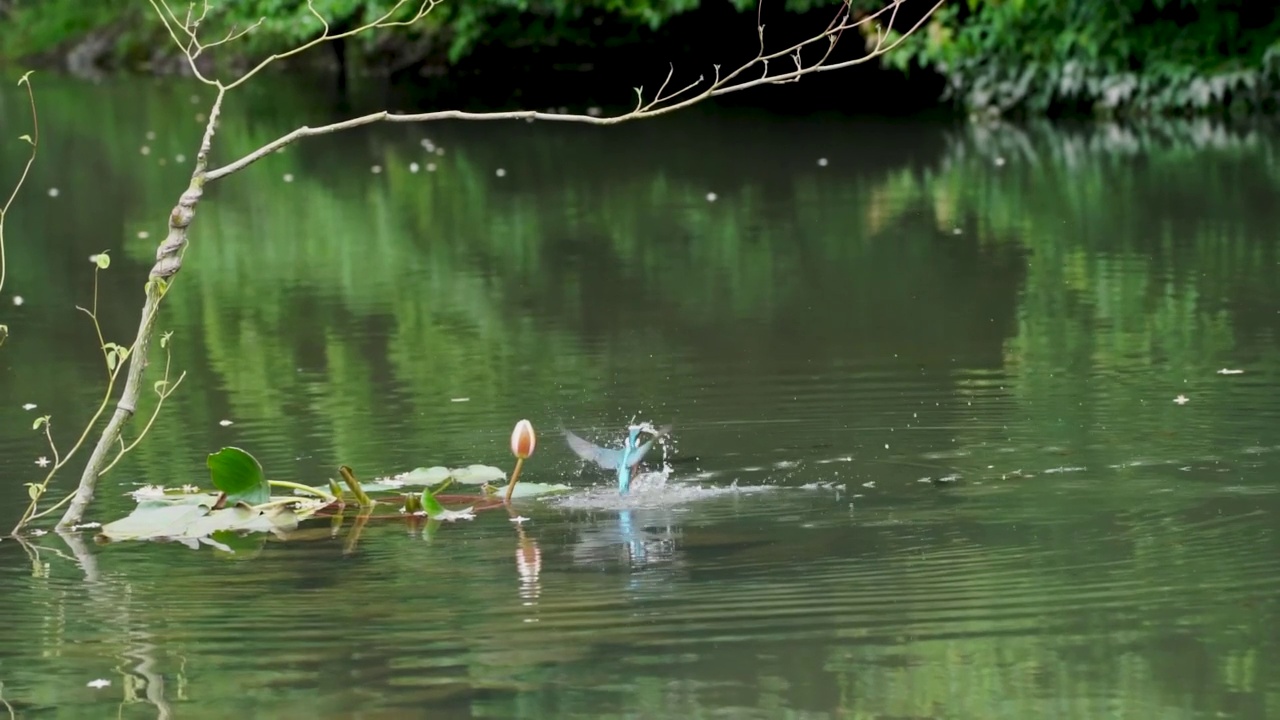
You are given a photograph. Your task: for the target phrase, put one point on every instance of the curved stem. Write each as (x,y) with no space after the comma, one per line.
(515,477)
(289,484)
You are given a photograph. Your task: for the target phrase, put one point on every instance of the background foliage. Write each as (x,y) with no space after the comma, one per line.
(1034,56)
(1143,56)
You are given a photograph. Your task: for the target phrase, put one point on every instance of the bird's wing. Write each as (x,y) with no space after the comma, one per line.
(639,454)
(604,457)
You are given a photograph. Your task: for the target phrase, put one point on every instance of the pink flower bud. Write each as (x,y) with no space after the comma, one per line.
(523,440)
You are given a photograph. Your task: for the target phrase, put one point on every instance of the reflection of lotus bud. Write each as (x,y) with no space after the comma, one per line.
(523,440)
(529,564)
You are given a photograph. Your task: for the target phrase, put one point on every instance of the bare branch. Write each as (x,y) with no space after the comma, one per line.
(312,7)
(659,105)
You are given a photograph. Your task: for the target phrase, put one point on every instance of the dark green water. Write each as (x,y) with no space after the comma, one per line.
(1016,306)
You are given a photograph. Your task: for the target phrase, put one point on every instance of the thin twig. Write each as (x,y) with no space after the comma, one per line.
(34,140)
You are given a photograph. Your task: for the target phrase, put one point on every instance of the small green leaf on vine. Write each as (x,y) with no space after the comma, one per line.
(40,421)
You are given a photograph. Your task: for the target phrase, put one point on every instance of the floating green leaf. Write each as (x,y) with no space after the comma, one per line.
(238,474)
(191,520)
(432,476)
(534,489)
(469,475)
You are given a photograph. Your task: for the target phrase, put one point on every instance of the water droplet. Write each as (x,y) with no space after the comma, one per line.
(180,159)
(500,172)
(431,167)
(711,197)
(376,169)
(143,234)
(288,177)
(151,134)
(17,300)
(224,423)
(146,150)
(413,167)
(822,162)
(53,192)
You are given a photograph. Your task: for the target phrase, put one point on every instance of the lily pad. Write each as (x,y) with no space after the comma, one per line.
(533,489)
(190,519)
(478,475)
(433,476)
(469,475)
(238,474)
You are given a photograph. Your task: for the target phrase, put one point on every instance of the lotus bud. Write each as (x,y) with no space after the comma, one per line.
(523,441)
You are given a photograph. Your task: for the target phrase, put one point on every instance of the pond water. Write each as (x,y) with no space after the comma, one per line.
(951,438)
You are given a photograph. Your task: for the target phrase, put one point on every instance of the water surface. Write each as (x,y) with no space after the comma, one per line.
(940,367)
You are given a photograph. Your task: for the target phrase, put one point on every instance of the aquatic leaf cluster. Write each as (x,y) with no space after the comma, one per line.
(242,502)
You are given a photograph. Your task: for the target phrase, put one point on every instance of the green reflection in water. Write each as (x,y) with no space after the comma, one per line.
(1107,552)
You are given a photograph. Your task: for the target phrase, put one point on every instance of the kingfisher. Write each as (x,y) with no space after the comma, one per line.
(620,461)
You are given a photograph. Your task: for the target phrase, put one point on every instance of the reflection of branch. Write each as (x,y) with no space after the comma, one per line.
(663,102)
(99,591)
(13,715)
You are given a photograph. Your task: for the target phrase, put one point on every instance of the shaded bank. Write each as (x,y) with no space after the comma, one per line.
(1035,57)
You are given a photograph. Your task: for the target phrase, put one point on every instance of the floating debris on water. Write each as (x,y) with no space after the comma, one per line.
(1228,371)
(1051,471)
(29,406)
(1182,399)
(224,423)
